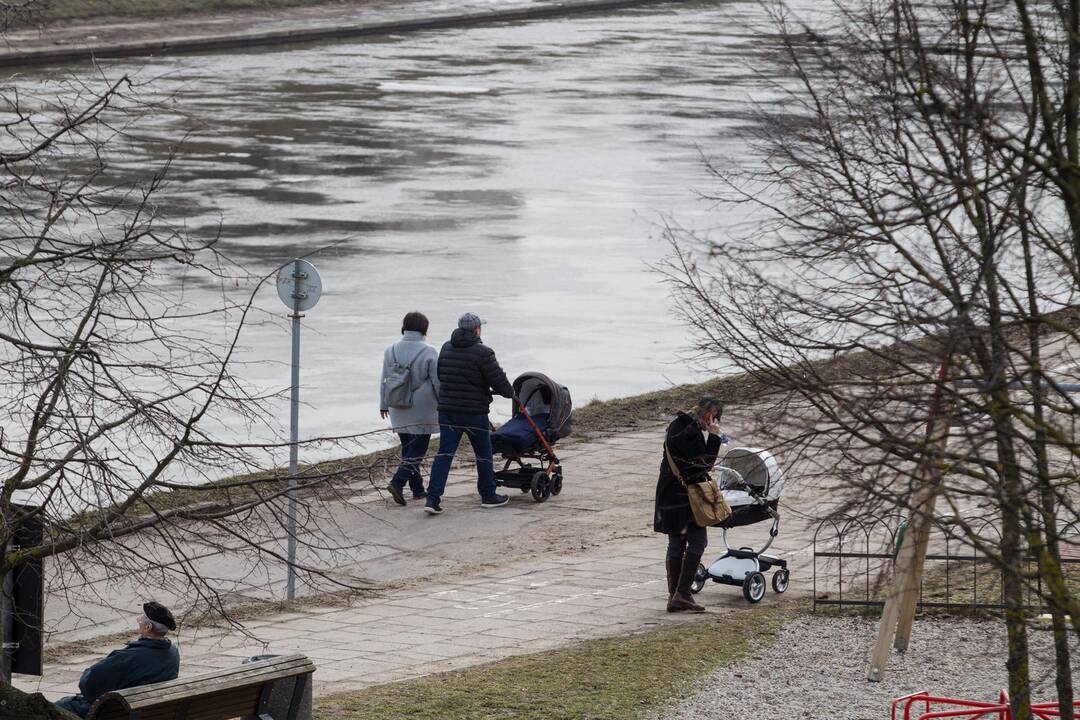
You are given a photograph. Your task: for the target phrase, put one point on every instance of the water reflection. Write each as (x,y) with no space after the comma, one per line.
(521,172)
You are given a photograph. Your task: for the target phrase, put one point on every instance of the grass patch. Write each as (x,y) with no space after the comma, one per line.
(609,679)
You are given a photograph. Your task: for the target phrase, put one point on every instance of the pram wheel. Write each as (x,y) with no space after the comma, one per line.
(540,486)
(556,481)
(780,581)
(699,579)
(753,587)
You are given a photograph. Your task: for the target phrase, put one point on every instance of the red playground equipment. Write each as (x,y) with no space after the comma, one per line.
(924,706)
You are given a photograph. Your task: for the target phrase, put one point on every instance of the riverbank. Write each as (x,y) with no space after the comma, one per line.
(217,25)
(57,11)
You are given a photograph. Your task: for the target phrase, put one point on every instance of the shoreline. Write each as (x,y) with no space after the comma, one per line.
(307,25)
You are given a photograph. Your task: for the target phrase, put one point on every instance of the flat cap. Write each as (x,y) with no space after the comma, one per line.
(159,613)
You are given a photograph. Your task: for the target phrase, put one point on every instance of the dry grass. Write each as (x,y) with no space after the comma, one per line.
(609,679)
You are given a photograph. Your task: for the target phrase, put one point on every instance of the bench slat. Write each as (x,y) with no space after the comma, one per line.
(262,666)
(212,682)
(209,707)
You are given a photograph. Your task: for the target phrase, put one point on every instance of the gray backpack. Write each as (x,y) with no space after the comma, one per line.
(398,384)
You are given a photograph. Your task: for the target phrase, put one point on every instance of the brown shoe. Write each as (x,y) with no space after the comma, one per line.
(680,601)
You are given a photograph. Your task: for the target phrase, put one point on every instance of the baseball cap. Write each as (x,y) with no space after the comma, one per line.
(469,321)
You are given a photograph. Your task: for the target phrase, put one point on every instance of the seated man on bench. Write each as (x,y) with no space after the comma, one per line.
(149,659)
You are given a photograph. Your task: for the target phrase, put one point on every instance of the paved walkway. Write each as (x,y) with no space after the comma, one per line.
(584,564)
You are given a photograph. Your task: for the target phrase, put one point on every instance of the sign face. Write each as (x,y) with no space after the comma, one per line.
(299,285)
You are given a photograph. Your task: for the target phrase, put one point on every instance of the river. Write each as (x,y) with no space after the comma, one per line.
(523,172)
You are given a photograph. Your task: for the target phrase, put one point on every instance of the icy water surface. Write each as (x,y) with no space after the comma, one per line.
(521,172)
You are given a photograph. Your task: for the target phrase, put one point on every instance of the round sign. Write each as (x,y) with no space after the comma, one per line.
(299,285)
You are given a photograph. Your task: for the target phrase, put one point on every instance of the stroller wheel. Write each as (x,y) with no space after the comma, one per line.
(556,481)
(780,581)
(753,587)
(540,486)
(699,579)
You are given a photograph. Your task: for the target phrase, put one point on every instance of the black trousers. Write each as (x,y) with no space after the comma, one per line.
(694,541)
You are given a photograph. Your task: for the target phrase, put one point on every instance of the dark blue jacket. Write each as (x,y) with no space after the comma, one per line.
(468,374)
(140,662)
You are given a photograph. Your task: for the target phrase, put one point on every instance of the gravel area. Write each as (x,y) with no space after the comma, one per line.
(817,669)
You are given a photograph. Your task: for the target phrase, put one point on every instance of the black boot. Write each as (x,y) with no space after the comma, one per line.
(681,599)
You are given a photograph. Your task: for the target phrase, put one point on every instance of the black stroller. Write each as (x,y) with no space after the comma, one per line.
(541,417)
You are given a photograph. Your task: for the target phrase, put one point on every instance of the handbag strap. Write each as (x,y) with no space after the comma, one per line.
(672,465)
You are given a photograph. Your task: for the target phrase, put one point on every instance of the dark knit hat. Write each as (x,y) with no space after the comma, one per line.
(159,613)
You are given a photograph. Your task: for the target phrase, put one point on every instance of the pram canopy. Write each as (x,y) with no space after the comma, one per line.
(758,471)
(752,483)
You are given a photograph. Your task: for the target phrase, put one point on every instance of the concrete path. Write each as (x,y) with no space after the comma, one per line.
(492,583)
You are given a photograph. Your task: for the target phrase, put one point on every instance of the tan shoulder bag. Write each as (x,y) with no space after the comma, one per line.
(706,500)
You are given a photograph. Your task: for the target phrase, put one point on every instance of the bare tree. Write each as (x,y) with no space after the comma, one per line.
(121,410)
(918,214)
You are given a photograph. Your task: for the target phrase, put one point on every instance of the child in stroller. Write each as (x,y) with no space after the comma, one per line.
(752,483)
(541,417)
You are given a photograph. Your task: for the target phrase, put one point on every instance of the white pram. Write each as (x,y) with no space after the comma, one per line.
(752,483)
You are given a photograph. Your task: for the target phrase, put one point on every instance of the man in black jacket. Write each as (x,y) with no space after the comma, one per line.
(150,659)
(468,374)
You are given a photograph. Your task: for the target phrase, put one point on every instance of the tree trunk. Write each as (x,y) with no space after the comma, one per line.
(14,703)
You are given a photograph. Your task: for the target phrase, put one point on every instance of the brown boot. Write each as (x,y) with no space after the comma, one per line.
(680,601)
(673,567)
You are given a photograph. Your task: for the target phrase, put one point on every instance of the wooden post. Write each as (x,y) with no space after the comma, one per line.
(898,614)
(930,477)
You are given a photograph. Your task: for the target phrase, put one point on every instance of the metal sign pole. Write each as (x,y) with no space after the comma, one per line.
(299,287)
(294,432)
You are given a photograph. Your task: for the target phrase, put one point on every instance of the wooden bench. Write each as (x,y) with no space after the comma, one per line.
(275,689)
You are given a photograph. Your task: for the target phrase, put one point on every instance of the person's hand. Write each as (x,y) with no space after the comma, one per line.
(713,428)
(384,414)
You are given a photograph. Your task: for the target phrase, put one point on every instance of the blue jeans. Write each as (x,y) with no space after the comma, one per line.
(74,704)
(413,450)
(451,428)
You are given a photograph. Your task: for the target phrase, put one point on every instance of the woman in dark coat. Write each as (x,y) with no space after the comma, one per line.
(693,440)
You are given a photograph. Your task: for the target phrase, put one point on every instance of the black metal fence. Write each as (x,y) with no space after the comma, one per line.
(853,559)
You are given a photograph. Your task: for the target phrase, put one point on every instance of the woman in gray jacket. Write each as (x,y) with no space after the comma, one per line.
(416,423)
